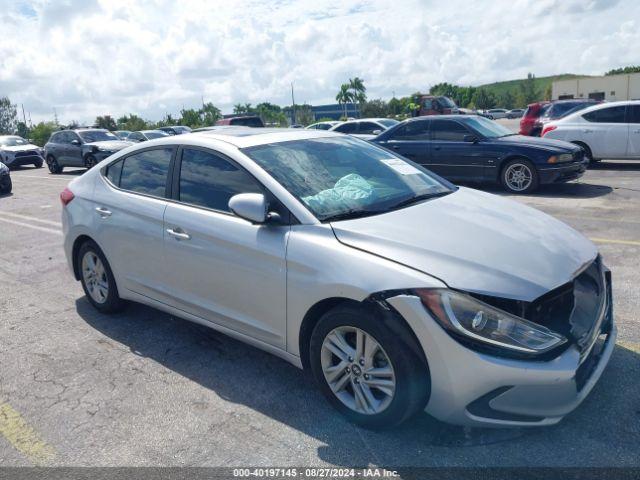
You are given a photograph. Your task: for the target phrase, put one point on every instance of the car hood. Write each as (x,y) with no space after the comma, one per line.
(110,144)
(476,242)
(538,142)
(20,148)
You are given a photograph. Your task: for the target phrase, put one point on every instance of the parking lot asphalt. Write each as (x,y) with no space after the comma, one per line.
(143,388)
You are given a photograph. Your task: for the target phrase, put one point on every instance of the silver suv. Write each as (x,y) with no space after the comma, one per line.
(398,290)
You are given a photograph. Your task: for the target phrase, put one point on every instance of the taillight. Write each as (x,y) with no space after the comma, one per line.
(66,196)
(548,129)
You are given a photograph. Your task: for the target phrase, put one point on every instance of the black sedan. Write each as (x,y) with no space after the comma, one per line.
(476,149)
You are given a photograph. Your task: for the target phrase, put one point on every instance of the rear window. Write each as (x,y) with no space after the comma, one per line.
(146,172)
(247,122)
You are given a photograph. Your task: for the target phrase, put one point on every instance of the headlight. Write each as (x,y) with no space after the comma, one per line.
(3,168)
(465,316)
(565,157)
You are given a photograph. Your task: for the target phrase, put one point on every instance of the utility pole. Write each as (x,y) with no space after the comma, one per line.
(24,117)
(293,105)
(55,116)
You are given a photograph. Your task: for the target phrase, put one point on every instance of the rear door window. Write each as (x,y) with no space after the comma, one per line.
(347,128)
(416,130)
(448,130)
(146,172)
(369,127)
(607,115)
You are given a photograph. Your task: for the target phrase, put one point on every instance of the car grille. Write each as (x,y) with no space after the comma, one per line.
(580,309)
(27,153)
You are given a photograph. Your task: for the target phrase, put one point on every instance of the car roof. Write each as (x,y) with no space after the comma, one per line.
(249,137)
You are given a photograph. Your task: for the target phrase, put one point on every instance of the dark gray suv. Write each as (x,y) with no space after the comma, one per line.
(84,147)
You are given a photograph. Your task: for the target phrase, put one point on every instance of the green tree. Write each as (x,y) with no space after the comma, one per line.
(304,115)
(395,106)
(8,116)
(344,96)
(528,91)
(210,114)
(507,99)
(106,122)
(548,92)
(483,99)
(271,114)
(618,71)
(22,130)
(374,108)
(41,132)
(358,90)
(132,122)
(190,117)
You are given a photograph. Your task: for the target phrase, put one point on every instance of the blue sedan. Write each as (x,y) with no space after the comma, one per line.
(473,148)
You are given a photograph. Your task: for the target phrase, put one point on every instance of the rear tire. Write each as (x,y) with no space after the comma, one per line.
(379,385)
(54,166)
(519,176)
(97,279)
(38,164)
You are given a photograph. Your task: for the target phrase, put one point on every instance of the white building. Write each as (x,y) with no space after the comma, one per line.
(610,87)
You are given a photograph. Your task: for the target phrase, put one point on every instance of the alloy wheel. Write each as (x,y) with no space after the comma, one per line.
(95,277)
(358,370)
(518,177)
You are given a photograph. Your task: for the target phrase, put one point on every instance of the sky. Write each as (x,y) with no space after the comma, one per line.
(85,58)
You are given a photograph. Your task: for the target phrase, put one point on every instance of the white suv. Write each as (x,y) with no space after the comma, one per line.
(607,130)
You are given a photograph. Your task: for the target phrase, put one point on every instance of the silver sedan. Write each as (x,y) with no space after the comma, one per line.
(399,291)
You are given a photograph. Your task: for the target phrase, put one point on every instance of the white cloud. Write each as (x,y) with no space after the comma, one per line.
(88,58)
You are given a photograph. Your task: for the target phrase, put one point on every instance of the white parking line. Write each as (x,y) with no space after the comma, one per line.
(35,227)
(14,176)
(33,219)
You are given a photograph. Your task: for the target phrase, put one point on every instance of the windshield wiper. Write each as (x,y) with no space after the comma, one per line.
(419,198)
(349,214)
(509,135)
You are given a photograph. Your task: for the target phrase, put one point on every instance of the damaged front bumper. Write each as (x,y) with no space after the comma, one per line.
(476,389)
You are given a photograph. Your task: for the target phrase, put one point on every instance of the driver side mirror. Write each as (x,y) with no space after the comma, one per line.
(141,139)
(470,138)
(376,132)
(75,142)
(250,206)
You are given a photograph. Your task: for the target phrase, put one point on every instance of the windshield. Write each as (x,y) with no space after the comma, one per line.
(152,135)
(97,136)
(13,141)
(488,128)
(447,102)
(345,177)
(388,122)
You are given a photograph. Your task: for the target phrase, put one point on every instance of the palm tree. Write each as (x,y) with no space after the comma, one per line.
(344,96)
(358,89)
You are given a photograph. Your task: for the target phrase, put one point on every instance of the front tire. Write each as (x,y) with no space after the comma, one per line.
(97,279)
(367,367)
(6,186)
(54,166)
(519,176)
(90,161)
(38,164)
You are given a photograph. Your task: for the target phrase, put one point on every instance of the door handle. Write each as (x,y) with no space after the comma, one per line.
(178,234)
(588,131)
(103,212)
(437,148)
(395,147)
(636,131)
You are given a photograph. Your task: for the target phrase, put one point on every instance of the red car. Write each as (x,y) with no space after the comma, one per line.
(529,123)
